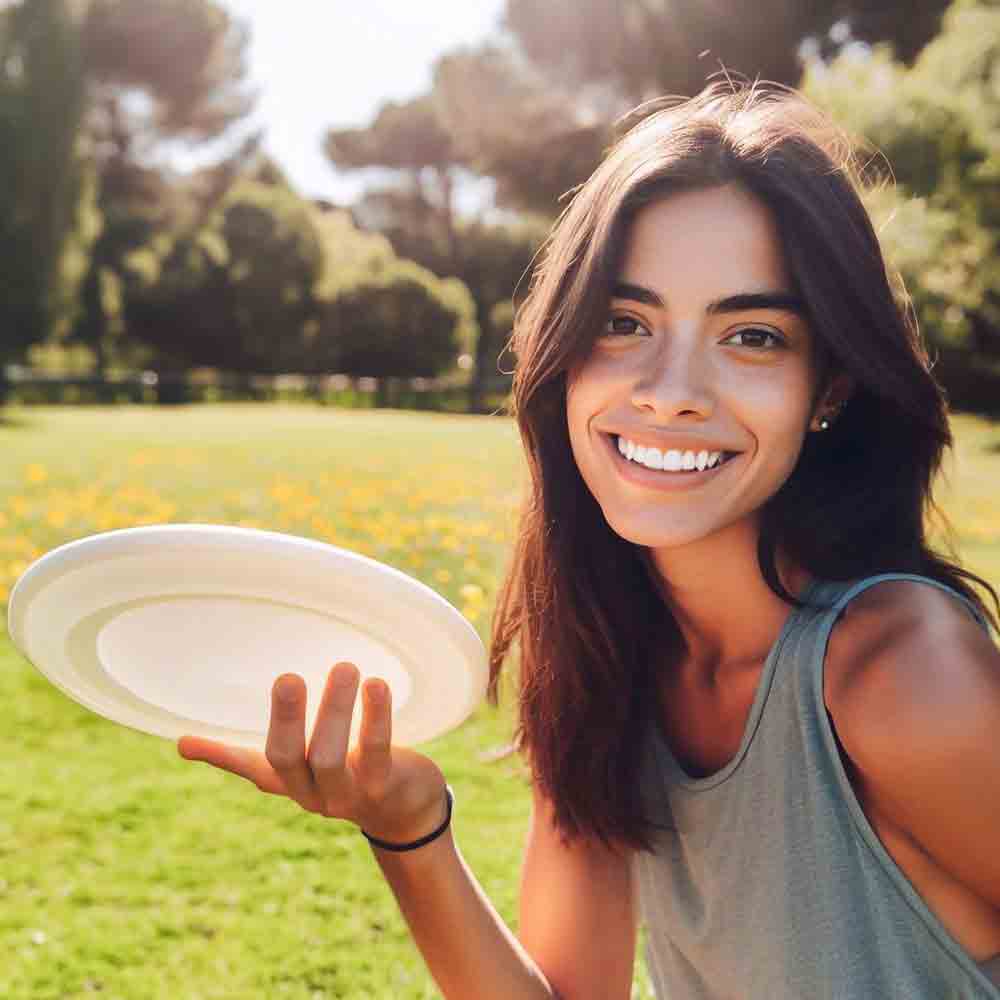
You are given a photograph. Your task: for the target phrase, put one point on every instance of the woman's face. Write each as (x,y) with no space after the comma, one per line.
(705,355)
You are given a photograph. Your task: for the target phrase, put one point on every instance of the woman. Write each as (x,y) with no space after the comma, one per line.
(760,713)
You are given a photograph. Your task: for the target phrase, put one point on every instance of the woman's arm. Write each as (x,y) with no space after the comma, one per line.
(468,948)
(915,697)
(578,923)
(579,912)
(579,938)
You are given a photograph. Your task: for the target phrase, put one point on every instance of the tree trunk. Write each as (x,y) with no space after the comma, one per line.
(447,184)
(383,392)
(314,388)
(171,387)
(100,359)
(480,371)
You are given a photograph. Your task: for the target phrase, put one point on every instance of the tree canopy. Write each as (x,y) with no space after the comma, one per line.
(646,48)
(235,293)
(154,71)
(42,179)
(186,59)
(380,314)
(937,126)
(229,267)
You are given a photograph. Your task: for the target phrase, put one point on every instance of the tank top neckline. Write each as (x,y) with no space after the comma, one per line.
(675,772)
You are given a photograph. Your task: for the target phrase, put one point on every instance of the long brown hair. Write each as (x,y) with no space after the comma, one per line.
(578,599)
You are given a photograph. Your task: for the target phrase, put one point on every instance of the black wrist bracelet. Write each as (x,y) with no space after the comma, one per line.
(384,845)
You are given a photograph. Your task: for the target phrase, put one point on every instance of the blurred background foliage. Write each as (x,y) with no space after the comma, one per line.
(113,261)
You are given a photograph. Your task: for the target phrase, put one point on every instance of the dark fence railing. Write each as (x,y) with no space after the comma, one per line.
(32,387)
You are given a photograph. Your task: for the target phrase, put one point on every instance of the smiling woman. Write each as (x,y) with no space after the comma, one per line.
(759,710)
(703,648)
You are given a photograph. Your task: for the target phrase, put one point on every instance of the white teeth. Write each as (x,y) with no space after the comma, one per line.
(672,460)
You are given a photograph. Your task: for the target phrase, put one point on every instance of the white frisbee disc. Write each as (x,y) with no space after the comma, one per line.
(183,628)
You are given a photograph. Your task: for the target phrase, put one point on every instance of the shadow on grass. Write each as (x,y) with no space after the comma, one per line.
(8,422)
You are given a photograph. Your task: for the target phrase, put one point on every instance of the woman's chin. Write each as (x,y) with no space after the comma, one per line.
(657,533)
(658,536)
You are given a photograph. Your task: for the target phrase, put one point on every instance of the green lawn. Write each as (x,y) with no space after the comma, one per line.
(128,872)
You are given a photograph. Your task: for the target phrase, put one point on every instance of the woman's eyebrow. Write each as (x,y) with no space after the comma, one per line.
(636,293)
(785,301)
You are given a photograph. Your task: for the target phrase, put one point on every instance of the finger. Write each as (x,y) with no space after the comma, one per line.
(244,763)
(374,758)
(286,738)
(330,736)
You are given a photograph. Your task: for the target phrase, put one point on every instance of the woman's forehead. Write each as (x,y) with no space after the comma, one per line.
(707,243)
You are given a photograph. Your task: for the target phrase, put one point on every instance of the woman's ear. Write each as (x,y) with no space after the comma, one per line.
(838,392)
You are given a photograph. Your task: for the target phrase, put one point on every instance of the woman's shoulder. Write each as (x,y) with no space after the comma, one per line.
(912,684)
(903,646)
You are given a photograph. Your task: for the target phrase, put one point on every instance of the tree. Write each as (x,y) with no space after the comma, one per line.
(381,316)
(155,71)
(271,283)
(411,139)
(236,293)
(394,323)
(41,178)
(496,261)
(490,259)
(275,258)
(162,69)
(536,139)
(418,212)
(582,64)
(937,125)
(179,306)
(638,49)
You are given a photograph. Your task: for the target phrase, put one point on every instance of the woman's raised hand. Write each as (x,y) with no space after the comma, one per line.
(392,793)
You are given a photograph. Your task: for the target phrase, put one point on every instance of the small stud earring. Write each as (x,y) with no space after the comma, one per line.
(824,424)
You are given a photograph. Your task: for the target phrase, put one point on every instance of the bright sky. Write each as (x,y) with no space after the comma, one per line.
(319,64)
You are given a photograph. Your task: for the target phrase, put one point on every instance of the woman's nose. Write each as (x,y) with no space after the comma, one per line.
(677,382)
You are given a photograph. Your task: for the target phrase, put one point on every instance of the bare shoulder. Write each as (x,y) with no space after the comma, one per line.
(907,653)
(912,684)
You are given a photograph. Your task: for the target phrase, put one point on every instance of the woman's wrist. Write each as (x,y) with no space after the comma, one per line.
(413,844)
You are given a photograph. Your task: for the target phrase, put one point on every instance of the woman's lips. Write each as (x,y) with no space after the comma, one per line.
(662,479)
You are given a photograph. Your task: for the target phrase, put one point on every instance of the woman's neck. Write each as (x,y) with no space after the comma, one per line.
(727,614)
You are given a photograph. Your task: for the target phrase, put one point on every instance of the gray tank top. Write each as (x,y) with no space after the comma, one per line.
(772,884)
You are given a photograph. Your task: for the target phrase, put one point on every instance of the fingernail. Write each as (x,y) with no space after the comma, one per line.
(287,692)
(344,678)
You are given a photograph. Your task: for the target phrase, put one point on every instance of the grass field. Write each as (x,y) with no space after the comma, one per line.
(130,873)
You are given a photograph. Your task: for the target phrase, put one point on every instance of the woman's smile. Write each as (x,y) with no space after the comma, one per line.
(666,468)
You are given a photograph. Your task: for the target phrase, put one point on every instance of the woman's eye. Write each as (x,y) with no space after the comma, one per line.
(756,338)
(622,325)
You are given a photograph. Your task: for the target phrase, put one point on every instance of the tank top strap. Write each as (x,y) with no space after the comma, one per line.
(834,595)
